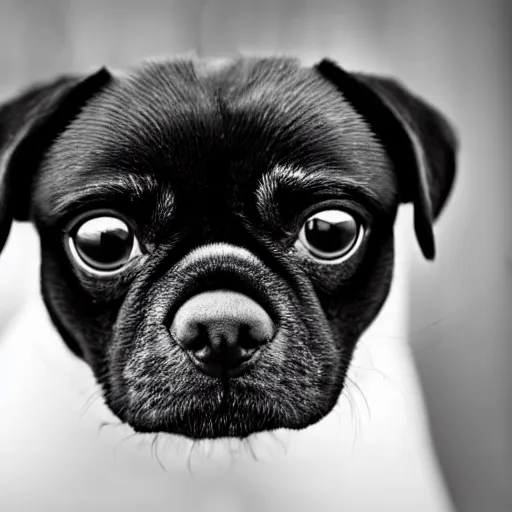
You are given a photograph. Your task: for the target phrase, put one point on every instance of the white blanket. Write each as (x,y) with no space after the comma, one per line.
(372,453)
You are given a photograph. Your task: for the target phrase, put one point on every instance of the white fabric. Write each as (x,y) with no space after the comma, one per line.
(372,453)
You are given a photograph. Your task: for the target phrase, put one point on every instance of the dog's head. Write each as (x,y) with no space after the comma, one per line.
(215,239)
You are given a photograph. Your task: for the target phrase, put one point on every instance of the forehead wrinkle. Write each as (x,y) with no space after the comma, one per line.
(291,104)
(76,189)
(293,177)
(142,115)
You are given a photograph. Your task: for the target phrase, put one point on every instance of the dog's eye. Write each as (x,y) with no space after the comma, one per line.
(330,236)
(104,244)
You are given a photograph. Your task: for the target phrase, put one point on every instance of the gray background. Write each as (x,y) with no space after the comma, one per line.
(455,53)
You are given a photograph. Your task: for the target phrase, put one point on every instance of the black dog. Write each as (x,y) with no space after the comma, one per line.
(215,239)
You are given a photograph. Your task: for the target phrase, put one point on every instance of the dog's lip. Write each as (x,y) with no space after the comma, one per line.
(237,283)
(231,372)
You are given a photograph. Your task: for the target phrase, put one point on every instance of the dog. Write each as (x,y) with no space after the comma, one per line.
(215,238)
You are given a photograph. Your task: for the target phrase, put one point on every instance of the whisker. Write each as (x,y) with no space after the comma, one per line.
(105,423)
(154,451)
(93,398)
(340,417)
(193,445)
(249,445)
(355,416)
(124,440)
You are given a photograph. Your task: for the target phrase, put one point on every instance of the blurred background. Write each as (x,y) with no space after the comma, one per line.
(457,310)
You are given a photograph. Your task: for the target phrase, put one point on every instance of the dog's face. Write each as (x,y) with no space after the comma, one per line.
(215,239)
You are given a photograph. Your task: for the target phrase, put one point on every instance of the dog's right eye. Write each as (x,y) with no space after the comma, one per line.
(330,236)
(103,245)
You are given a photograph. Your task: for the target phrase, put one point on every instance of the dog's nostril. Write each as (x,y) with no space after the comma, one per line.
(249,340)
(198,342)
(221,330)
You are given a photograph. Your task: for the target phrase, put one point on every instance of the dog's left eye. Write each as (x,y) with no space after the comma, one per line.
(330,236)
(103,244)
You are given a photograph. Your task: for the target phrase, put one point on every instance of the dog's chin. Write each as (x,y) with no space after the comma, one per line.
(222,424)
(227,410)
(225,422)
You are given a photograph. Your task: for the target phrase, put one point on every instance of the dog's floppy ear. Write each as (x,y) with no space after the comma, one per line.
(28,125)
(419,140)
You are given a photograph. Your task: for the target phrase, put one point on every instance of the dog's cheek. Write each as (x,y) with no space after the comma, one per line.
(318,360)
(352,308)
(85,326)
(352,293)
(309,375)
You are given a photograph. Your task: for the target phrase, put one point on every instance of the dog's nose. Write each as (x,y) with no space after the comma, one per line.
(221,330)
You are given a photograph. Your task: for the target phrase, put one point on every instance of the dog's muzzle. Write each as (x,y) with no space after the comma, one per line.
(224,320)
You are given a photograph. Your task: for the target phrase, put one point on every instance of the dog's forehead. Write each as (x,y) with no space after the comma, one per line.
(197,121)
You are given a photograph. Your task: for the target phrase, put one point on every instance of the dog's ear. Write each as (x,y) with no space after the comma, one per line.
(418,139)
(28,125)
